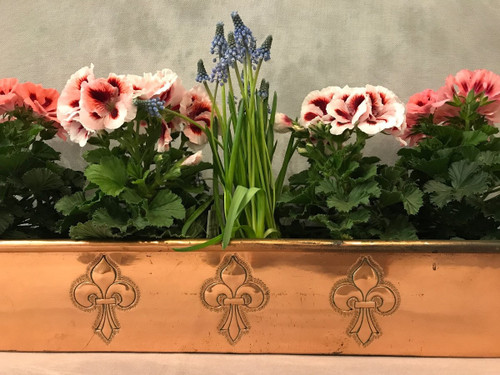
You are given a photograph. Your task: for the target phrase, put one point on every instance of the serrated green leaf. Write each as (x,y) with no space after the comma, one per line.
(89,230)
(68,203)
(440,193)
(473,137)
(110,175)
(360,194)
(466,179)
(412,198)
(95,156)
(488,158)
(399,229)
(164,208)
(103,217)
(130,196)
(40,179)
(44,151)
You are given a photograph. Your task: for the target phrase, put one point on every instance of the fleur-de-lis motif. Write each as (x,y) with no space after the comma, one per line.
(104,289)
(234,291)
(364,293)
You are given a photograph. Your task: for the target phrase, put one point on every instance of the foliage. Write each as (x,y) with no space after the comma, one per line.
(31,180)
(457,165)
(134,191)
(345,195)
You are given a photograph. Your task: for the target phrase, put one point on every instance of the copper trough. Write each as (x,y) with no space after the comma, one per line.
(435,298)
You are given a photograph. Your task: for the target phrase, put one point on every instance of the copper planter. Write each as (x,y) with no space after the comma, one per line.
(368,298)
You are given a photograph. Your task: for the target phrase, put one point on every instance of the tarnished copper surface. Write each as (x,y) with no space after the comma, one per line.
(416,298)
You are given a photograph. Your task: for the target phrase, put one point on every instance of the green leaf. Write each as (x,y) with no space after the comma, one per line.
(6,220)
(103,217)
(130,196)
(89,230)
(412,198)
(440,193)
(95,156)
(473,137)
(44,151)
(110,175)
(40,179)
(360,194)
(466,180)
(241,197)
(195,215)
(164,208)
(68,203)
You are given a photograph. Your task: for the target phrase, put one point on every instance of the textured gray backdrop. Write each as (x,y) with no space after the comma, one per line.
(404,45)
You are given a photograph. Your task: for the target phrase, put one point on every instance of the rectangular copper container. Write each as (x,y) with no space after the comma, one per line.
(368,298)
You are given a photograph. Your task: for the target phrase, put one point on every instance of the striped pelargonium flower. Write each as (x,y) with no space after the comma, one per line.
(106,103)
(88,104)
(371,109)
(314,106)
(196,105)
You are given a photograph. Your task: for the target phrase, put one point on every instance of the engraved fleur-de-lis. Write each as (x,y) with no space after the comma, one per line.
(234,291)
(104,289)
(364,293)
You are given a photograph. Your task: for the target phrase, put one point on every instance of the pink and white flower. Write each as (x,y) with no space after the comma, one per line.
(9,99)
(151,85)
(197,106)
(387,113)
(68,105)
(348,108)
(193,160)
(314,107)
(163,143)
(282,123)
(106,103)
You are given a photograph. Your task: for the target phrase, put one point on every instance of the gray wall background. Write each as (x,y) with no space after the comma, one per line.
(407,46)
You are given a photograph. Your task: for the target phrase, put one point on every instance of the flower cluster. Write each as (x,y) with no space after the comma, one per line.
(88,104)
(240,46)
(439,104)
(371,109)
(42,101)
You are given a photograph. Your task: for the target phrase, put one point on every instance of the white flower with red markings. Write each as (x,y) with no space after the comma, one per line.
(314,107)
(197,106)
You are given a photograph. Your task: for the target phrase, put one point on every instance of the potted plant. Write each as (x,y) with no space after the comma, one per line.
(366,286)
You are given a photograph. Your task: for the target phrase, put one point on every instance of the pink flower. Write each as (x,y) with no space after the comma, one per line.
(152,85)
(282,123)
(478,81)
(8,96)
(197,106)
(387,113)
(106,103)
(43,101)
(419,105)
(193,160)
(77,132)
(163,143)
(348,108)
(68,106)
(314,107)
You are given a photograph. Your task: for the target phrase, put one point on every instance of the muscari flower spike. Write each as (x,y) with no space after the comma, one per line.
(264,89)
(242,34)
(202,74)
(219,43)
(264,51)
(233,53)
(153,106)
